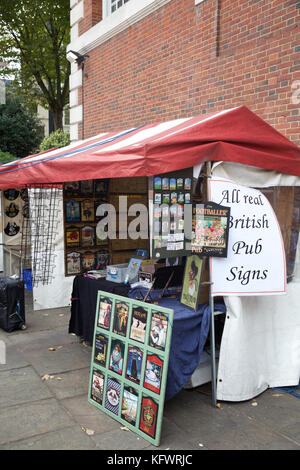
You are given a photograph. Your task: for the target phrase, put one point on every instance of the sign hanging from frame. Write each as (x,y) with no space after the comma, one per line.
(129,362)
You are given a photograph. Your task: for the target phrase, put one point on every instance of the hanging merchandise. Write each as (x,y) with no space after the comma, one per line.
(11,229)
(211,226)
(172,198)
(11,194)
(12,210)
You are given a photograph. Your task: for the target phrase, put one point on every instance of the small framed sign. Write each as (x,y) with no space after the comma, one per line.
(191,281)
(211,227)
(129,363)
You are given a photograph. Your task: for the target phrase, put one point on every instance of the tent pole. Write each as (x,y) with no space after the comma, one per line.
(212,341)
(212,321)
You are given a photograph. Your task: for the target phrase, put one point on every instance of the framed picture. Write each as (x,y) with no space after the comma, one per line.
(134,364)
(72,188)
(116,358)
(121,318)
(157,183)
(97,387)
(104,314)
(101,345)
(73,263)
(148,416)
(112,399)
(87,236)
(158,330)
(153,373)
(87,187)
(72,236)
(72,211)
(138,323)
(102,260)
(192,281)
(87,261)
(87,210)
(211,227)
(101,186)
(129,405)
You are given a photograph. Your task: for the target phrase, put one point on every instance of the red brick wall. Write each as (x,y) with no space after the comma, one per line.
(185,60)
(92,15)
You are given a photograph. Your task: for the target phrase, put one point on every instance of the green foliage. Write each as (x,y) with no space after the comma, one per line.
(34,35)
(56,139)
(20,130)
(6,157)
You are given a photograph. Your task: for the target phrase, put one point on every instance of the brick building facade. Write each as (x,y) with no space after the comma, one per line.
(157,60)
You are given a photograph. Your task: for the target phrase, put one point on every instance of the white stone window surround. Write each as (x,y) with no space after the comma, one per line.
(107,6)
(130,13)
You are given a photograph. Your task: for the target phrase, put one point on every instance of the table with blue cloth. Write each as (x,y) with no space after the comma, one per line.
(190,328)
(189,335)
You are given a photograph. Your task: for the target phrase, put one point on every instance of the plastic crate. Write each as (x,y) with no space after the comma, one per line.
(27,278)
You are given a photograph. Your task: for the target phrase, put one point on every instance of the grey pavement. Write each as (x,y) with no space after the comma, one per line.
(44,406)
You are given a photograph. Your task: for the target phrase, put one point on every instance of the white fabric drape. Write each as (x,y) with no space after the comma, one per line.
(260,345)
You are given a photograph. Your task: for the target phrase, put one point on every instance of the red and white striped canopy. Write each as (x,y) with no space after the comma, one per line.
(235,135)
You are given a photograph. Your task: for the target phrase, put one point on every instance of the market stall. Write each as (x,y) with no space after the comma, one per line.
(239,139)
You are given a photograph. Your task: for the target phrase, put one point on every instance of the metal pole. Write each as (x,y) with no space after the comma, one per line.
(212,342)
(212,321)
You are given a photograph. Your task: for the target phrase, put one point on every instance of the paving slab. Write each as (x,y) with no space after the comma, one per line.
(64,358)
(49,338)
(21,386)
(14,359)
(89,416)
(70,384)
(119,439)
(32,419)
(230,427)
(62,439)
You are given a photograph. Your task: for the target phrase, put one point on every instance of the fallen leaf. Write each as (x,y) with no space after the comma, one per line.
(89,432)
(218,405)
(58,378)
(61,314)
(47,377)
(51,349)
(59,347)
(254,403)
(124,428)
(277,395)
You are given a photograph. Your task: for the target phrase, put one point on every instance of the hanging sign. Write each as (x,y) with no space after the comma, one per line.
(210,225)
(255,263)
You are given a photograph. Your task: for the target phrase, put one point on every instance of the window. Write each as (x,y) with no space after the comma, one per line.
(110,6)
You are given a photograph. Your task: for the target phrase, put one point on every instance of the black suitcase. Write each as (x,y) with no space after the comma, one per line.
(12,304)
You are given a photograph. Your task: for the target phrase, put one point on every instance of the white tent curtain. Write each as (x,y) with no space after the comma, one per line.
(260,345)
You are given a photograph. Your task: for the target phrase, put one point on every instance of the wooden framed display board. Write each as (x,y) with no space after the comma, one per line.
(84,250)
(129,362)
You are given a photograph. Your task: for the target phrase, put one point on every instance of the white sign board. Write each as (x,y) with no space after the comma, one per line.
(255,264)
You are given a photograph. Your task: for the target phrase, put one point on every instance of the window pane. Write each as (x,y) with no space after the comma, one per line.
(115,4)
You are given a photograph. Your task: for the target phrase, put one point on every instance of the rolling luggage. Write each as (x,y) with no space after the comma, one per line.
(12,304)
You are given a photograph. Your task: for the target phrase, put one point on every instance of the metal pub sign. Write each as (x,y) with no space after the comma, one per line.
(210,227)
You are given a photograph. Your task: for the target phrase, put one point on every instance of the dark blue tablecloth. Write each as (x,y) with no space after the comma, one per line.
(190,331)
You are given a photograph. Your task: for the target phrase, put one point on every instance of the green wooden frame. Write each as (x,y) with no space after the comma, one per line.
(146,349)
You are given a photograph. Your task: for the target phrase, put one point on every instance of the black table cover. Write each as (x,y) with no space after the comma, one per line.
(84,302)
